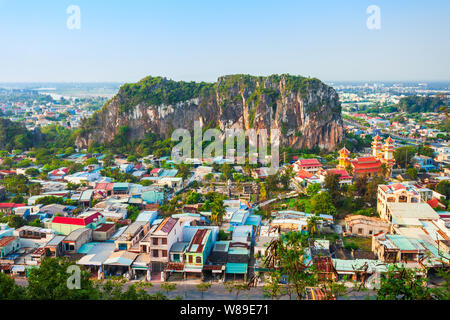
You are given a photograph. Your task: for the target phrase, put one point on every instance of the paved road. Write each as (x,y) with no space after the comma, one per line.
(188,291)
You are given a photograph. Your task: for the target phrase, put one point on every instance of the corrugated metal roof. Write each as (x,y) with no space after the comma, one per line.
(236,268)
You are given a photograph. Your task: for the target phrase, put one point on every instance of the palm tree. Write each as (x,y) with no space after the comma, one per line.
(203,287)
(217,212)
(313,223)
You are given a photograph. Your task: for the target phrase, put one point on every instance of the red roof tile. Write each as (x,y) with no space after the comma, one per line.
(197,239)
(108,186)
(6,240)
(304,174)
(77,221)
(309,162)
(167,225)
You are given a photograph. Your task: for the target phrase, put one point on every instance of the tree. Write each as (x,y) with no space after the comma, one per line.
(18,199)
(333,186)
(108,160)
(372,190)
(273,288)
(34,188)
(16,221)
(287,255)
(425,151)
(203,287)
(36,223)
(193,198)
(285,178)
(272,182)
(16,183)
(217,212)
(262,191)
(313,189)
(131,158)
(412,172)
(322,204)
(9,290)
(132,212)
(183,170)
(403,156)
(403,283)
(237,287)
(91,161)
(360,185)
(168,287)
(32,172)
(50,281)
(313,224)
(50,200)
(443,188)
(227,171)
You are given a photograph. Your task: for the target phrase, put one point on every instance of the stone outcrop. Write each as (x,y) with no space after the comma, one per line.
(306,111)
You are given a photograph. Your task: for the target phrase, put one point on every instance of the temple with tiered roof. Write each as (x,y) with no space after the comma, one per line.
(370,166)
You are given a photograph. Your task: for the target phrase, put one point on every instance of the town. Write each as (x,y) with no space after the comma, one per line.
(352,218)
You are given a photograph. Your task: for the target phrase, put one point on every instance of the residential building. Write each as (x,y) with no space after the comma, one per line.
(76,239)
(424,163)
(9,244)
(309,165)
(159,240)
(395,193)
(197,252)
(365,226)
(130,238)
(65,225)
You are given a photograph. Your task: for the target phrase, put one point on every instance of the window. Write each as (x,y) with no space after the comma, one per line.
(164,253)
(155,254)
(190,259)
(198,260)
(360,230)
(164,240)
(155,241)
(370,231)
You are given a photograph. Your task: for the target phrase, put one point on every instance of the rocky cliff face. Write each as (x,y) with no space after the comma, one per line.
(306,111)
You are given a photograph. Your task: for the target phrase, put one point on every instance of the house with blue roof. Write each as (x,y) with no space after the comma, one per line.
(424,163)
(239,218)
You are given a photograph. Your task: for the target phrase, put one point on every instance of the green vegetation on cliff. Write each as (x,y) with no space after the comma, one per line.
(158,90)
(14,135)
(415,104)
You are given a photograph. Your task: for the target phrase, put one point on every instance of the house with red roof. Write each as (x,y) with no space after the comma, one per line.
(105,187)
(7,207)
(305,177)
(65,225)
(310,165)
(58,174)
(155,172)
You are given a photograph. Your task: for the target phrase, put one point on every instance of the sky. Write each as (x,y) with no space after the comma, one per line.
(198,40)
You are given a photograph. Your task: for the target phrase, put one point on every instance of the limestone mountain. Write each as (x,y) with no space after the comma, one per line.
(305,110)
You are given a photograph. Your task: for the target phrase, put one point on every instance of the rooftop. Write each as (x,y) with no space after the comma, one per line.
(6,240)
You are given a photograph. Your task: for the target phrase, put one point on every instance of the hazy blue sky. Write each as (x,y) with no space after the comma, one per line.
(200,40)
